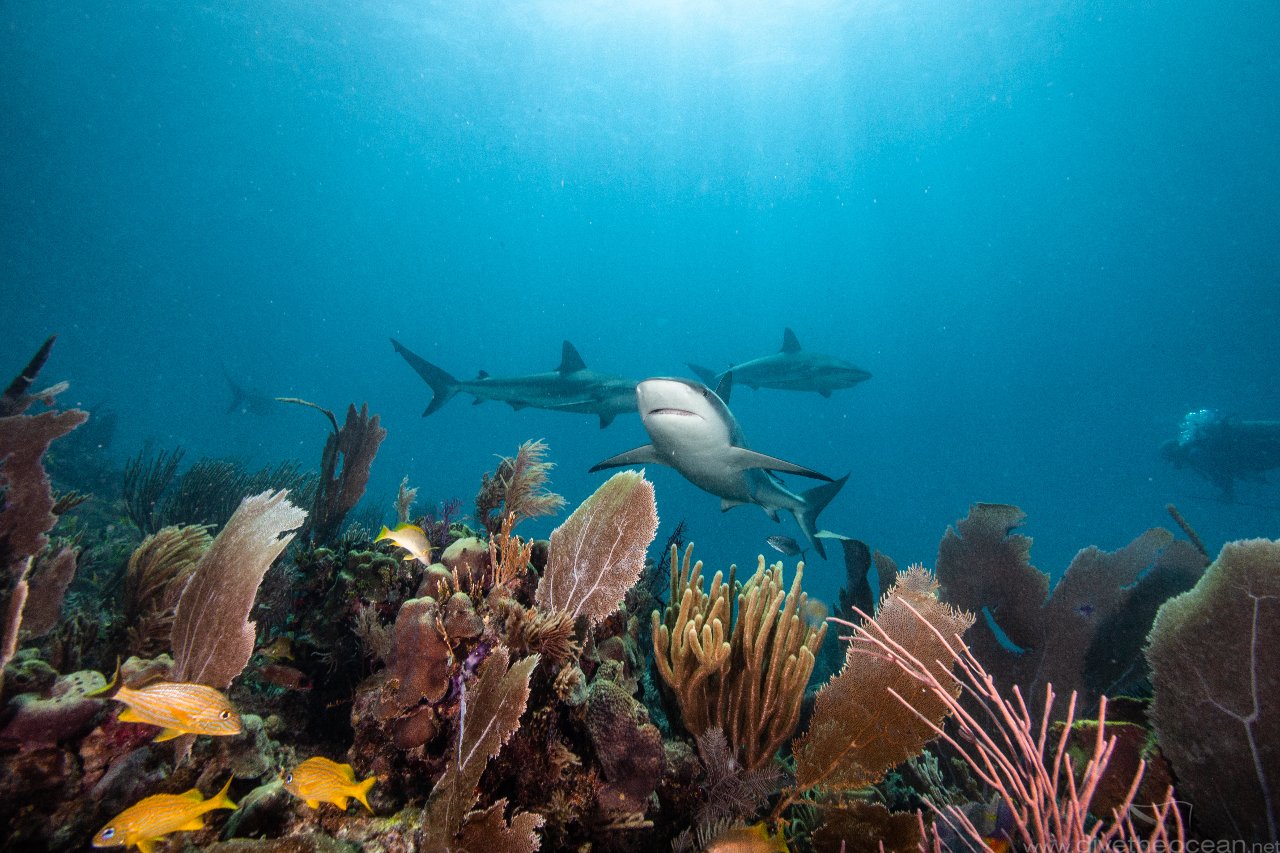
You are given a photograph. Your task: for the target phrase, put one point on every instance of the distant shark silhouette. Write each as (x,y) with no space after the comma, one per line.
(790,369)
(571,387)
(247,401)
(693,431)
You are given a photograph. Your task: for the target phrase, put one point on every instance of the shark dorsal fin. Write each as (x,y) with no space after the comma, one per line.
(570,361)
(725,386)
(790,344)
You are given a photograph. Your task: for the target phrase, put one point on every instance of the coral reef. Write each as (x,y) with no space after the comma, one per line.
(747,675)
(598,553)
(1030,637)
(1215,662)
(517,488)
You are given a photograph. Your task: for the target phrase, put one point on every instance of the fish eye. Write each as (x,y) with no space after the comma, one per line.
(225,715)
(288,779)
(109,832)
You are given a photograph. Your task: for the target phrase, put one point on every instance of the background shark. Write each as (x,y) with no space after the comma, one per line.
(571,387)
(247,401)
(791,369)
(693,431)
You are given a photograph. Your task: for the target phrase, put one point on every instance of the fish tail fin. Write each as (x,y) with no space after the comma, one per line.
(361,791)
(220,800)
(443,384)
(110,685)
(815,501)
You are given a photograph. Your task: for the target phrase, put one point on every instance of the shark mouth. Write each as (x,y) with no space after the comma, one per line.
(683,413)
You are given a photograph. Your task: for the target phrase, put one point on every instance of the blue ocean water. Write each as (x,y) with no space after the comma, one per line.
(1048,229)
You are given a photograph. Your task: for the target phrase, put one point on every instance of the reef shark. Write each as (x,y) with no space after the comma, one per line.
(571,387)
(693,431)
(791,369)
(246,401)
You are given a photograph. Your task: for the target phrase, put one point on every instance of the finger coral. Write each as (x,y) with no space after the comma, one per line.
(597,554)
(1215,662)
(745,675)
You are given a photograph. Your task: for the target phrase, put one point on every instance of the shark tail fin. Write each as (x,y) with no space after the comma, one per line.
(815,501)
(443,384)
(238,398)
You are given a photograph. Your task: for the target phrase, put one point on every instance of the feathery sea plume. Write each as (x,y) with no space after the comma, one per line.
(517,488)
(155,576)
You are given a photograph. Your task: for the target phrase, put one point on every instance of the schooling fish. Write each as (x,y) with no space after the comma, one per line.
(153,817)
(319,780)
(411,538)
(178,707)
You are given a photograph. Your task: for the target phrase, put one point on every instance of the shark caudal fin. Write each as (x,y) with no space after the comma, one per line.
(443,385)
(815,501)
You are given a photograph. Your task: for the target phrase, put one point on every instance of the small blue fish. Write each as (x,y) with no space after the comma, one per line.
(785,545)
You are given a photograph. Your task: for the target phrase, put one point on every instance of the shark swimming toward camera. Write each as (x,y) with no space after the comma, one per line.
(791,369)
(693,431)
(571,387)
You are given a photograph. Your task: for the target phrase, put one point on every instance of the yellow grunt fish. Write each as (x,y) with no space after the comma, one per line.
(411,538)
(158,815)
(178,707)
(746,839)
(319,780)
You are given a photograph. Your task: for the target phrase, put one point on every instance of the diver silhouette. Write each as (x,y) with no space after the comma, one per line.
(1223,449)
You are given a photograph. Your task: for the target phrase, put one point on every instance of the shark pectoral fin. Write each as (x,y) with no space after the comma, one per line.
(477,401)
(727,504)
(705,374)
(646,455)
(744,458)
(517,405)
(605,420)
(772,513)
(826,392)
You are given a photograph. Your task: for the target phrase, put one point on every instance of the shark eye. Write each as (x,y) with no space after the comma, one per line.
(225,715)
(108,833)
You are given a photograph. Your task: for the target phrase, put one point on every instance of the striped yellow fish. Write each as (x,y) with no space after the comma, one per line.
(156,816)
(319,780)
(178,707)
(411,538)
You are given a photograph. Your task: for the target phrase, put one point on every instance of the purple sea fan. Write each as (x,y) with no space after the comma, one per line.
(212,635)
(598,553)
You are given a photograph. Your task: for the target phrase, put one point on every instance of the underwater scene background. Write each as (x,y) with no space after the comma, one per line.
(1047,230)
